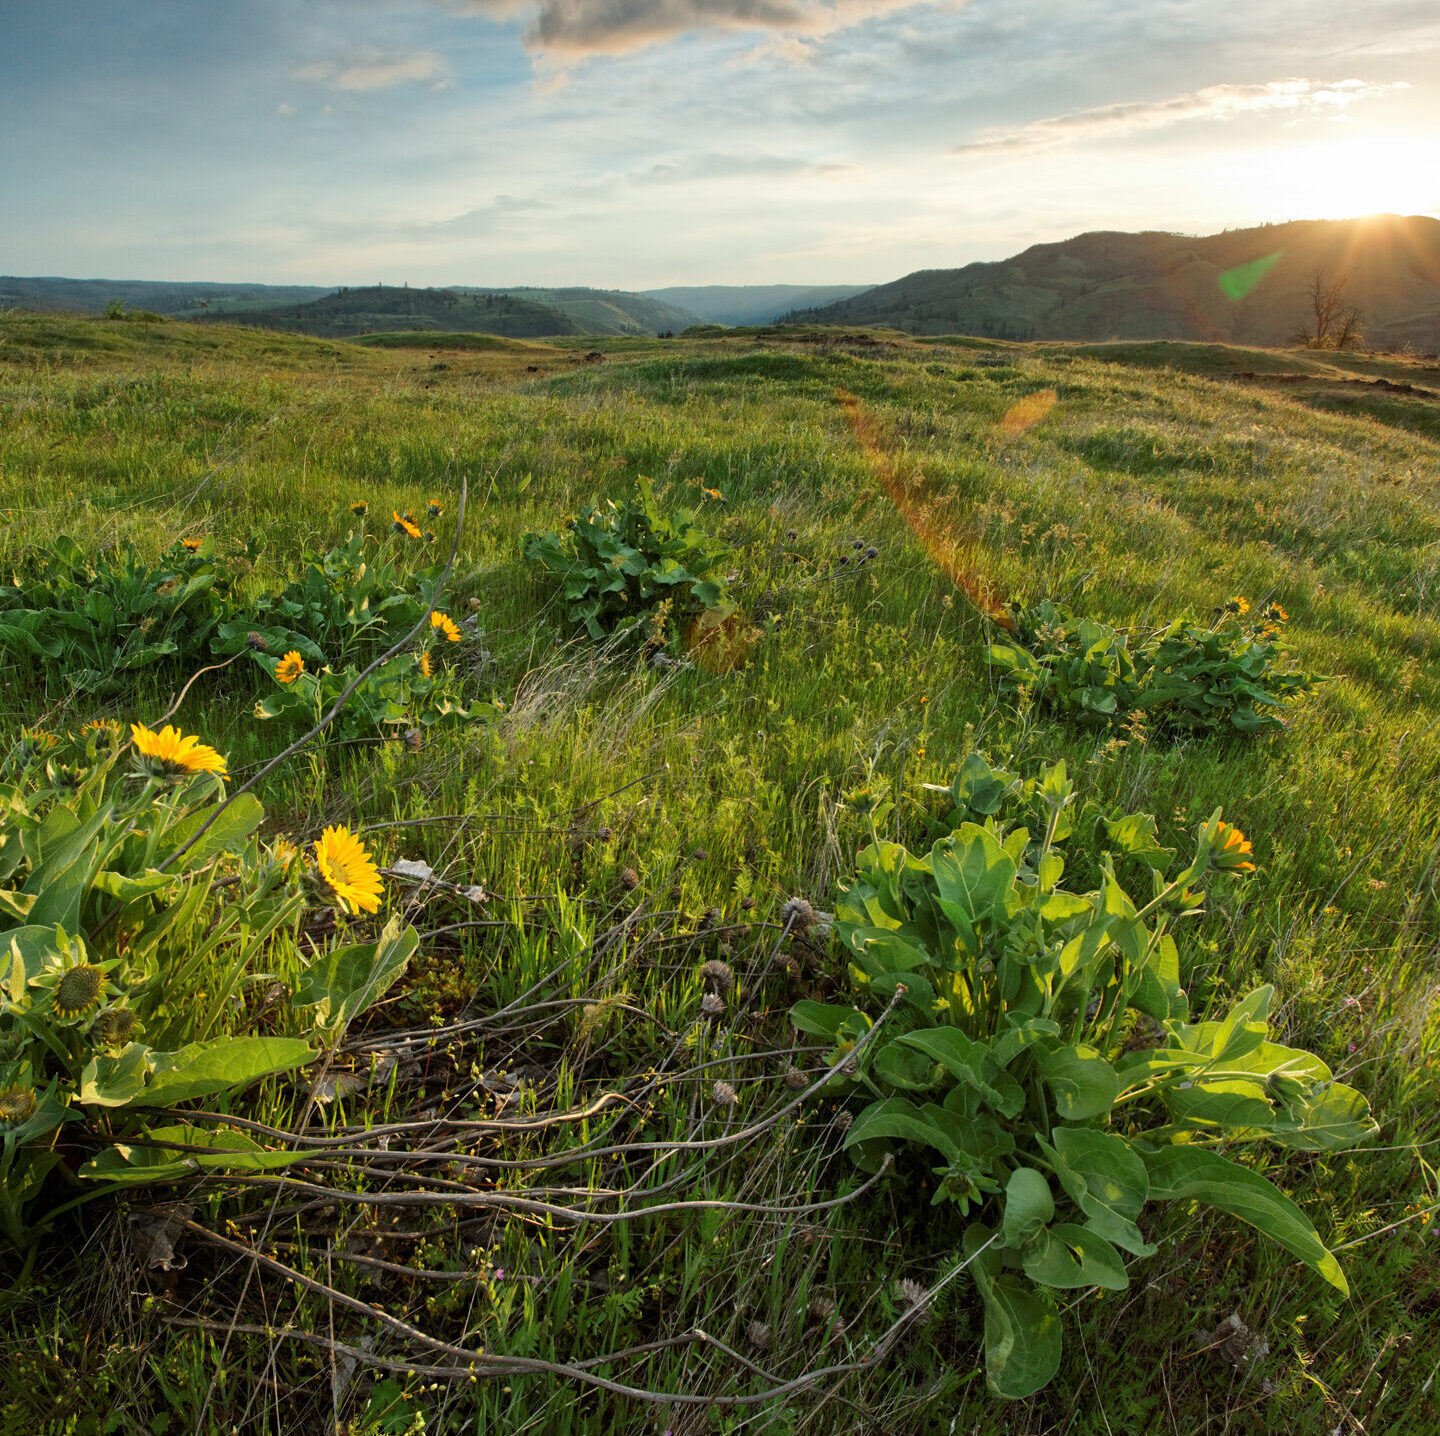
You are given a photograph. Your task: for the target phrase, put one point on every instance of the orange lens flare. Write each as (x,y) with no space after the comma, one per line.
(937,543)
(1027,412)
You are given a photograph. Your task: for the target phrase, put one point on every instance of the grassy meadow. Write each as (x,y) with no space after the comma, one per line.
(629,823)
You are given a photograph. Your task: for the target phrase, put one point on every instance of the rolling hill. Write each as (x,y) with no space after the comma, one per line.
(604,311)
(385,309)
(1245,286)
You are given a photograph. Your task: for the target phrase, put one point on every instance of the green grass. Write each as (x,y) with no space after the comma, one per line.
(1151,488)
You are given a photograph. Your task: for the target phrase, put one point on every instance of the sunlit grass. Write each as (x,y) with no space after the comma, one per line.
(1144,492)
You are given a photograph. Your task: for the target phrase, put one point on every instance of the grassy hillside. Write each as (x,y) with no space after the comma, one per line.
(1245,287)
(350,312)
(628,822)
(608,311)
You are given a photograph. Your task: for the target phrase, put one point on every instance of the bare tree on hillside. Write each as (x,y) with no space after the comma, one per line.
(1333,323)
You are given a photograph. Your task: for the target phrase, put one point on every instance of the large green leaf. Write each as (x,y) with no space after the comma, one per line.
(1022,1332)
(138,1163)
(231,828)
(1067,1256)
(899,1118)
(342,984)
(969,1062)
(221,1065)
(1028,1207)
(1106,1180)
(115,1081)
(1181,1172)
(1082,1082)
(1336,1116)
(973,871)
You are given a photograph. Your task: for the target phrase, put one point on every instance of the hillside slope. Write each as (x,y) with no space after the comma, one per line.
(384,309)
(1243,287)
(604,311)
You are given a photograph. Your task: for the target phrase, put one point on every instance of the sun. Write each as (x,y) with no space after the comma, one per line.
(1343,178)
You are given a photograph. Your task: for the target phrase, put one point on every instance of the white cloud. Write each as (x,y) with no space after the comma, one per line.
(372,69)
(570,29)
(1214,102)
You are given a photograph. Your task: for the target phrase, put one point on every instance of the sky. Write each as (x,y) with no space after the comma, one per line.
(640,143)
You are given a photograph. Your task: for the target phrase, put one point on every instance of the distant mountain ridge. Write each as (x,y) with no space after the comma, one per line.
(348,313)
(175,299)
(1245,286)
(750,303)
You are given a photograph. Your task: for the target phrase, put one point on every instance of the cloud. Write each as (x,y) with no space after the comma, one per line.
(372,69)
(730,166)
(563,30)
(1214,102)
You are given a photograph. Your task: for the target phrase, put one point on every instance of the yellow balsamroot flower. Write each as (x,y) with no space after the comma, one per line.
(404,525)
(427,665)
(171,754)
(446,625)
(1239,604)
(360,508)
(193,544)
(348,870)
(284,851)
(290,667)
(101,728)
(1231,851)
(434,509)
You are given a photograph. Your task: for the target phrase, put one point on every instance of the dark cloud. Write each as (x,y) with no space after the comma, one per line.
(572,29)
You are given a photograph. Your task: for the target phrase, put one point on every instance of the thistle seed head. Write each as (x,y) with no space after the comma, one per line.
(724,1094)
(718,975)
(798,915)
(712,1005)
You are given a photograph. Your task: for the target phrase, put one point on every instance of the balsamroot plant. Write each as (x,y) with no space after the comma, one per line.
(620,562)
(1182,678)
(1043,1063)
(138,914)
(93,619)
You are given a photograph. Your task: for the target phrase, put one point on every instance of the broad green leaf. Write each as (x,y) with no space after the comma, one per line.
(821,1019)
(900,1066)
(342,984)
(1106,1180)
(1082,1082)
(115,1081)
(973,871)
(899,1118)
(969,1062)
(139,1163)
(1028,1207)
(221,1065)
(1187,1172)
(1336,1116)
(1136,836)
(1067,1256)
(1022,1332)
(1229,1105)
(230,830)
